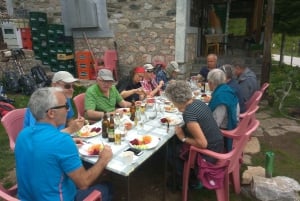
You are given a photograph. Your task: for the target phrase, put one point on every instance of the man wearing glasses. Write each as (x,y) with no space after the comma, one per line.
(103,96)
(149,83)
(65,81)
(48,165)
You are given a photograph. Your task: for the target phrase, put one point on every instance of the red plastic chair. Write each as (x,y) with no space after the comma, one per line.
(79,104)
(231,159)
(13,123)
(110,62)
(264,87)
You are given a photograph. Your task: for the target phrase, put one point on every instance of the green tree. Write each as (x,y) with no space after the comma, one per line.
(286,21)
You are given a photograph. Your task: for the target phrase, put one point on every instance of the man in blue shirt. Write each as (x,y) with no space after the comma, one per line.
(211,60)
(64,80)
(48,165)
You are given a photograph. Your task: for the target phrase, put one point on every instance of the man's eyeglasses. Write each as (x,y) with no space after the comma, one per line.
(109,82)
(66,105)
(66,85)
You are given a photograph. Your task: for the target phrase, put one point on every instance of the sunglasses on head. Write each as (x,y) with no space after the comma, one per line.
(66,105)
(149,71)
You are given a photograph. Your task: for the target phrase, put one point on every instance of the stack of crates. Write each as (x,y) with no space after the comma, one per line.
(84,64)
(38,25)
(26,38)
(61,49)
(11,35)
(50,44)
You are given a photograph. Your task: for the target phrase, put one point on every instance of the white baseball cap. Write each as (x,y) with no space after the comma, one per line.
(64,76)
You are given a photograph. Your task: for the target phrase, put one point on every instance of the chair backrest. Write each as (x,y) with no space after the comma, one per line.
(254,100)
(79,104)
(264,87)
(13,123)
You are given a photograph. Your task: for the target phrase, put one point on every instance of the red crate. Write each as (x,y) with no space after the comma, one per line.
(27,43)
(85,75)
(25,32)
(83,56)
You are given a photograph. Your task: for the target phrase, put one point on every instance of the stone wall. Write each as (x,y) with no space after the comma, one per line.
(144,30)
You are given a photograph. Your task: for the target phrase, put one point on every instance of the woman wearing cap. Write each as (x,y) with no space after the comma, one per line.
(64,80)
(130,86)
(103,96)
(168,74)
(149,83)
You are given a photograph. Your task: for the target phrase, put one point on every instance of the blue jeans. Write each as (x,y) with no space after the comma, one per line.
(105,188)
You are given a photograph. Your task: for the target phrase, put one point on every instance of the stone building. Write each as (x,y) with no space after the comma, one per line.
(142,31)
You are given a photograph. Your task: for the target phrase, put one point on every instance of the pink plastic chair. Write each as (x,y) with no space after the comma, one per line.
(79,104)
(110,61)
(264,87)
(8,194)
(13,123)
(254,100)
(231,159)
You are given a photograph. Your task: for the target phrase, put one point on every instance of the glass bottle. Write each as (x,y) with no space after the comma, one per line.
(132,111)
(105,124)
(111,129)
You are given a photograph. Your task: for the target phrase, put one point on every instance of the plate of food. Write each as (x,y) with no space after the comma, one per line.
(144,142)
(170,108)
(171,120)
(124,111)
(91,149)
(89,131)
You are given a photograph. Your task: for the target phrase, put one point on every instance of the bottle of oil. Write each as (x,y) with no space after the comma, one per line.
(105,124)
(111,129)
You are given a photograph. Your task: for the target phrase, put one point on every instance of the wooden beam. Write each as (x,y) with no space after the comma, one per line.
(267,57)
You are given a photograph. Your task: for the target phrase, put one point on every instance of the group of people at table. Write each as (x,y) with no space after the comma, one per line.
(48,165)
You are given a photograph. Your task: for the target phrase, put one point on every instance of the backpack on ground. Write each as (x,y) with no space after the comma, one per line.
(5,108)
(40,76)
(27,84)
(11,81)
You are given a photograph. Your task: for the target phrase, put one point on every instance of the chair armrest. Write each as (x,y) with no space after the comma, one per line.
(220,156)
(94,196)
(7,197)
(230,134)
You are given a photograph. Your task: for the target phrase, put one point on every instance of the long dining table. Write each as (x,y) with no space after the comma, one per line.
(155,128)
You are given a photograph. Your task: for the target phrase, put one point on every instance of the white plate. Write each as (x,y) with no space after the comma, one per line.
(151,145)
(90,134)
(83,150)
(173,121)
(172,110)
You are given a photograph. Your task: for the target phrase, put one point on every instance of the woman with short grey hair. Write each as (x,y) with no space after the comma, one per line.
(223,103)
(200,128)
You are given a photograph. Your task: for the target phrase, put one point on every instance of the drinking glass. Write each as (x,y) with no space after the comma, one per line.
(151,111)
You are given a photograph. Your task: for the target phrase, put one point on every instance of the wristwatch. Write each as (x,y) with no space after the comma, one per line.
(183,139)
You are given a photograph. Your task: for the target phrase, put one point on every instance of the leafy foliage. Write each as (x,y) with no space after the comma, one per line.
(287,17)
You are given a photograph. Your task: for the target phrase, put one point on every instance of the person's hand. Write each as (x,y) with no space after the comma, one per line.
(78,141)
(106,154)
(140,91)
(161,83)
(76,124)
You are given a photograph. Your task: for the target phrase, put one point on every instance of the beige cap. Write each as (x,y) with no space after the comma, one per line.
(64,76)
(148,67)
(174,66)
(105,74)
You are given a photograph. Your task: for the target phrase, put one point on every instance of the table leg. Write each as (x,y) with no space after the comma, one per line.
(128,188)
